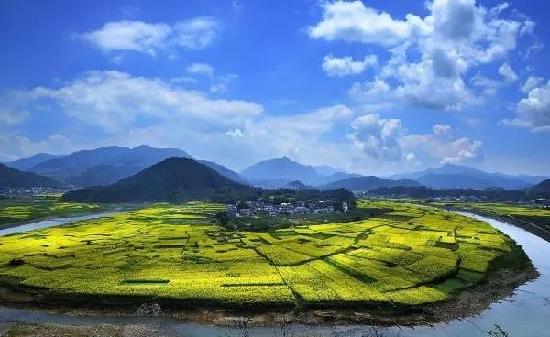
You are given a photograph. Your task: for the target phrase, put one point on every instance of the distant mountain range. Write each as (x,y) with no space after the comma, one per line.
(363,184)
(105,165)
(184,179)
(461,177)
(13,178)
(29,162)
(278,172)
(172,180)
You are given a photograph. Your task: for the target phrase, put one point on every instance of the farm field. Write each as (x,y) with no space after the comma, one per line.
(537,215)
(409,256)
(17,211)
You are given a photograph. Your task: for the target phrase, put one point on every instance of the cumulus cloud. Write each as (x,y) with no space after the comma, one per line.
(441,146)
(389,140)
(377,137)
(116,100)
(430,56)
(530,83)
(353,21)
(344,66)
(533,111)
(194,33)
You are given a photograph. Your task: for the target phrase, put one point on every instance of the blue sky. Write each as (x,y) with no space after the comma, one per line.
(375,87)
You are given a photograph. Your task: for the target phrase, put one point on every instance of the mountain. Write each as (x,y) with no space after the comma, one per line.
(460,177)
(29,162)
(340,176)
(282,170)
(369,183)
(172,180)
(297,185)
(13,178)
(224,171)
(103,165)
(541,190)
(103,175)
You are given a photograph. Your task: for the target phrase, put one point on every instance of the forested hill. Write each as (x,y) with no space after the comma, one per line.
(172,180)
(13,178)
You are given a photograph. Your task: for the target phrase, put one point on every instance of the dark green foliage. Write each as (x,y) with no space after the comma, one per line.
(173,179)
(12,178)
(541,190)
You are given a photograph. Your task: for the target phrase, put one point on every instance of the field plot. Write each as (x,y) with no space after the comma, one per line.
(530,213)
(12,212)
(407,257)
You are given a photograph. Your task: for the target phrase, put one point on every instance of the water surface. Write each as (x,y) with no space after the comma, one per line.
(54,222)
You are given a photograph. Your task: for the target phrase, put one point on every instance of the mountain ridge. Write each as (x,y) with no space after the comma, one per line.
(451,176)
(369,183)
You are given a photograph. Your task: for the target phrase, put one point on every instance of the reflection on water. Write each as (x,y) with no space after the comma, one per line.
(526,314)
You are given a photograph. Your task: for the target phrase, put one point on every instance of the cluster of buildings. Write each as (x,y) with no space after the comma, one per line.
(23,193)
(253,208)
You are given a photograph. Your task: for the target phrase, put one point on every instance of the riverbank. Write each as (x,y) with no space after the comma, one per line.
(21,329)
(539,231)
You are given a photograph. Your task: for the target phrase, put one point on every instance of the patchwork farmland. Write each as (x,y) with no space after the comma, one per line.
(409,256)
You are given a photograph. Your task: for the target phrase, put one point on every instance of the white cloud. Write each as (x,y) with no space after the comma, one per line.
(220,84)
(9,116)
(388,140)
(377,137)
(507,72)
(441,146)
(195,33)
(530,83)
(430,56)
(533,112)
(344,66)
(353,21)
(115,100)
(14,146)
(201,69)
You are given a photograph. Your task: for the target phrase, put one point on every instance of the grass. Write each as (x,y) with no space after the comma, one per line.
(14,211)
(406,256)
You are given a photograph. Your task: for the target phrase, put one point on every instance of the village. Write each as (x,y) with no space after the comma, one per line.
(263,208)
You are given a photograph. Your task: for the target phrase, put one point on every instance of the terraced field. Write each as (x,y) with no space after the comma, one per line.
(407,257)
(12,212)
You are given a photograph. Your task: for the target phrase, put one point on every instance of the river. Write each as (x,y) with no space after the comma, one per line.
(525,314)
(54,222)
